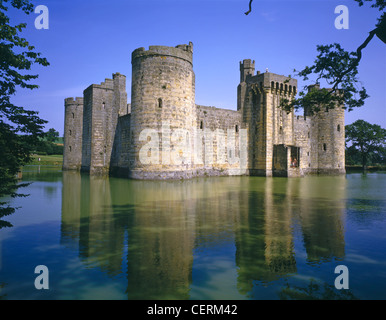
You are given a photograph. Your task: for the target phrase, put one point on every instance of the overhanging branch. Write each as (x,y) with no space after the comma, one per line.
(359,57)
(250,7)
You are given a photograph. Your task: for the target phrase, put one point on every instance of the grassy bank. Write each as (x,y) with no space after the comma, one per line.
(357,168)
(58,160)
(47,160)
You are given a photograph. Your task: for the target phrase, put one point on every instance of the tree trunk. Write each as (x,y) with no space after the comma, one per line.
(364,162)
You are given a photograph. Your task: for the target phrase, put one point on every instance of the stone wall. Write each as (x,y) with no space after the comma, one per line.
(163,134)
(73,130)
(99,98)
(102,105)
(221,143)
(269,125)
(162,112)
(121,147)
(87,129)
(302,139)
(328,141)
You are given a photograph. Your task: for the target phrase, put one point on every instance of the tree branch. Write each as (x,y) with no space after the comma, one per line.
(359,57)
(355,62)
(250,7)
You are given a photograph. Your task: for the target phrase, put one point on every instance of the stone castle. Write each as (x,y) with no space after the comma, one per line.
(163,134)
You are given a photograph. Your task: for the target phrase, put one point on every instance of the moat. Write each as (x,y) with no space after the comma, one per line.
(204,238)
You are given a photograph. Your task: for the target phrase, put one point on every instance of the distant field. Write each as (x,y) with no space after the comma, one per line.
(59,140)
(48,160)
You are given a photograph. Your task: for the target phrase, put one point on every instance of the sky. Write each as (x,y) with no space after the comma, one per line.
(89,40)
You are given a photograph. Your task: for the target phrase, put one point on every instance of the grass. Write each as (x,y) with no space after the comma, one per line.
(47,160)
(358,168)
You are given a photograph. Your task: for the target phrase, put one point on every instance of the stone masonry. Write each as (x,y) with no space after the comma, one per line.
(163,134)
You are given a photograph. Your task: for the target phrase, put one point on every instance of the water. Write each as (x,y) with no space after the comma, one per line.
(207,238)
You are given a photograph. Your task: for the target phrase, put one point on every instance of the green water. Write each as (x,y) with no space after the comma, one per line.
(207,238)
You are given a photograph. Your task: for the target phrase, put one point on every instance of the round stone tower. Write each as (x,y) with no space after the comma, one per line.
(163,112)
(73,128)
(331,141)
(327,139)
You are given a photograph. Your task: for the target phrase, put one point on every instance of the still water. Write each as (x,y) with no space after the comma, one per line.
(207,238)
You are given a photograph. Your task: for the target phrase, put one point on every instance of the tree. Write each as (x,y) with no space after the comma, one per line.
(20,129)
(52,135)
(339,69)
(366,140)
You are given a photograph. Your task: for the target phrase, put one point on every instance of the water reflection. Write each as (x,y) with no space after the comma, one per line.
(265,240)
(149,231)
(322,208)
(315,290)
(2,296)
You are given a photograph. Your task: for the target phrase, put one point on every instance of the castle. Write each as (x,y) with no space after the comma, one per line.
(163,134)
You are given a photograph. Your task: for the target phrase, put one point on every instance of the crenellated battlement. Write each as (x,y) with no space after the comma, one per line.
(73,101)
(247,69)
(108,84)
(105,133)
(181,51)
(117,74)
(278,84)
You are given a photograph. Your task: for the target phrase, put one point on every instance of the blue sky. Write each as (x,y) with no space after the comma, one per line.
(87,41)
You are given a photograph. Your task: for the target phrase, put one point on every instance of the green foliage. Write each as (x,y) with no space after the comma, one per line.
(13,62)
(48,145)
(368,143)
(20,129)
(52,135)
(380,4)
(338,68)
(375,158)
(48,148)
(47,160)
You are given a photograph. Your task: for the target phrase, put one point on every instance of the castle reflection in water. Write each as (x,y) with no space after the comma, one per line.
(149,230)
